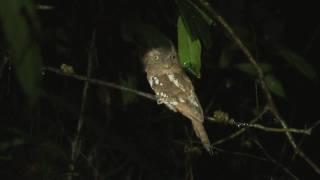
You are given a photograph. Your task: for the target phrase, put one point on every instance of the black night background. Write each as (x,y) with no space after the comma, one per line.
(76,104)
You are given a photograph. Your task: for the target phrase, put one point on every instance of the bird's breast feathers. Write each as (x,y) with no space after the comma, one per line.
(176,91)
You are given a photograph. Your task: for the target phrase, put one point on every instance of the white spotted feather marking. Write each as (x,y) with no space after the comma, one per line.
(193,100)
(175,81)
(155,80)
(163,95)
(174,103)
(181,100)
(150,81)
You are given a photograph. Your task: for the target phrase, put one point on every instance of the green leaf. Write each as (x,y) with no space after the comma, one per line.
(248,68)
(275,85)
(298,62)
(20,26)
(197,20)
(189,49)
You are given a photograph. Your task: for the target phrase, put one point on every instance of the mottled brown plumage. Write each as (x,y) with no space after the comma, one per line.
(173,87)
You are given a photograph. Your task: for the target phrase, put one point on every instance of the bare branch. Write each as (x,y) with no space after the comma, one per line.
(241,154)
(100,82)
(242,130)
(273,109)
(151,97)
(261,127)
(76,143)
(279,130)
(285,169)
(316,124)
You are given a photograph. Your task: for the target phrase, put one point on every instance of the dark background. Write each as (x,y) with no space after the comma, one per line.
(136,138)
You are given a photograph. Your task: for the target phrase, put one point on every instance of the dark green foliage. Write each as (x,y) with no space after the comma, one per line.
(21,30)
(298,62)
(275,85)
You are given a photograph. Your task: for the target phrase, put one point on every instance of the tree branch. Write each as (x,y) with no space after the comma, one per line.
(99,82)
(152,97)
(261,127)
(285,169)
(273,109)
(242,130)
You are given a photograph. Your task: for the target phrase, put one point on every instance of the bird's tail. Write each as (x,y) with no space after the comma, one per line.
(202,135)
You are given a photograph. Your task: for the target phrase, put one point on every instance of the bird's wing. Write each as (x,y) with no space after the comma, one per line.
(177,93)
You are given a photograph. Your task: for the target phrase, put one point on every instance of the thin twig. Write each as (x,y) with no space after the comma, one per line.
(241,154)
(264,128)
(242,130)
(76,143)
(280,130)
(297,149)
(273,109)
(151,97)
(285,169)
(314,126)
(116,170)
(100,82)
(91,158)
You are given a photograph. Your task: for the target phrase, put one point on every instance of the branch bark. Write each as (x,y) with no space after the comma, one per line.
(273,109)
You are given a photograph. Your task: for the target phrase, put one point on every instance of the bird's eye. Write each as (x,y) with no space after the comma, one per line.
(156,58)
(172,56)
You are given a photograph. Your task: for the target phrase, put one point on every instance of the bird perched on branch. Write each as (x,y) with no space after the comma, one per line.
(173,87)
(165,75)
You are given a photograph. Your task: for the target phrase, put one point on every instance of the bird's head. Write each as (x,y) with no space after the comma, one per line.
(163,58)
